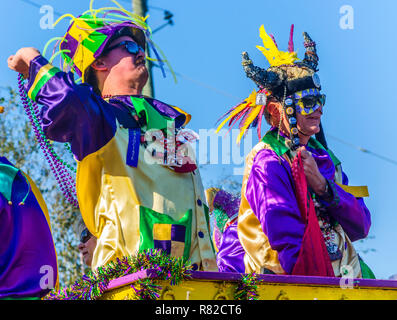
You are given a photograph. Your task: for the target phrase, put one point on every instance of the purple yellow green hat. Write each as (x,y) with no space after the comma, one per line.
(89,33)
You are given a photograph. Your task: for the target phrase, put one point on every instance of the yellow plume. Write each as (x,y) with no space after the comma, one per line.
(254,113)
(251,98)
(248,105)
(238,109)
(273,55)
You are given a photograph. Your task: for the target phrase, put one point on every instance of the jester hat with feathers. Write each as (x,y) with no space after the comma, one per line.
(88,35)
(285,76)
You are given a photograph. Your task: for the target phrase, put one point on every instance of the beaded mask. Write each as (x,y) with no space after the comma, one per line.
(309,100)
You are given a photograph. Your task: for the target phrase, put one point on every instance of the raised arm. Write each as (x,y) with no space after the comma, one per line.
(20,61)
(71,112)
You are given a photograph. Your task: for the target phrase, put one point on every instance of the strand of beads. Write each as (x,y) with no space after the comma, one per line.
(59,168)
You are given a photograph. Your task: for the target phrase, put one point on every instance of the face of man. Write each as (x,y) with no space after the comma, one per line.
(309,109)
(87,250)
(87,246)
(121,66)
(309,124)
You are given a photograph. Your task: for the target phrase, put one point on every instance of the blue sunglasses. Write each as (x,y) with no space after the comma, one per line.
(85,235)
(130,46)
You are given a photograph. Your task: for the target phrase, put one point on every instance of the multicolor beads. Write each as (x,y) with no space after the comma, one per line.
(329,235)
(291,115)
(327,226)
(60,169)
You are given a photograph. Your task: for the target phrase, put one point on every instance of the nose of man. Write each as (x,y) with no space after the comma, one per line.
(139,55)
(317,113)
(320,109)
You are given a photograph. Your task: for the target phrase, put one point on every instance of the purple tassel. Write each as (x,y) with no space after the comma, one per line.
(291,40)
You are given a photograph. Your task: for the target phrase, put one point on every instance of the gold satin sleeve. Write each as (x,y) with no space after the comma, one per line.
(258,252)
(357,191)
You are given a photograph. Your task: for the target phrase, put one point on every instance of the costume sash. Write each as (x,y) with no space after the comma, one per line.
(313,257)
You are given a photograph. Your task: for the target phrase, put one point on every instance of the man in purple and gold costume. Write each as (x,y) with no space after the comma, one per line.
(28,262)
(274,232)
(132,196)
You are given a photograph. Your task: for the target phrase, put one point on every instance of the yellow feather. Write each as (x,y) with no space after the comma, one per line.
(254,113)
(251,99)
(233,113)
(274,56)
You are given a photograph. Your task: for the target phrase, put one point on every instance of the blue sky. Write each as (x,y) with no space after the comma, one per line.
(204,47)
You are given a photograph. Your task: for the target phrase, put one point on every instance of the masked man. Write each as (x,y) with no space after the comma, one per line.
(297,215)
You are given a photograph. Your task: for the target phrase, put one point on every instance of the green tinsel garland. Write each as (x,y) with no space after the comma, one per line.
(92,285)
(247,288)
(146,289)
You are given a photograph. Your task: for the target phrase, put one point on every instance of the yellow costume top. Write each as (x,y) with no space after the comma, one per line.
(128,202)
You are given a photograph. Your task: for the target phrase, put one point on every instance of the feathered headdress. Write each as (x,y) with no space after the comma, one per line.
(270,50)
(286,75)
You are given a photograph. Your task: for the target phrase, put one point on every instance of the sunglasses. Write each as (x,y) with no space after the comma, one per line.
(130,46)
(85,236)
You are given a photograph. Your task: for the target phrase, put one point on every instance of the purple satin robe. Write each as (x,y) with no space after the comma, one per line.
(27,252)
(271,195)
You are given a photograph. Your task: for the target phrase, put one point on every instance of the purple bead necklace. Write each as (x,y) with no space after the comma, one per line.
(60,169)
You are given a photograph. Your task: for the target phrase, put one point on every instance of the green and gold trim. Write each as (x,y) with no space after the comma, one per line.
(42,77)
(160,229)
